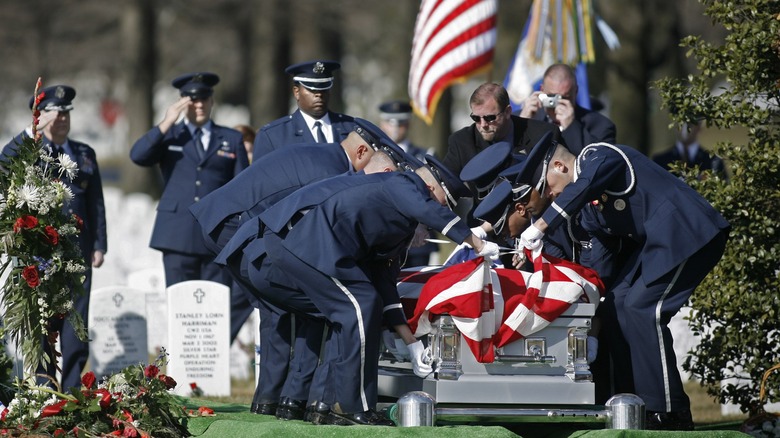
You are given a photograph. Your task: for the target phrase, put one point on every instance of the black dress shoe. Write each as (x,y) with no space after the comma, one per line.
(317,413)
(678,420)
(264,408)
(367,418)
(290,409)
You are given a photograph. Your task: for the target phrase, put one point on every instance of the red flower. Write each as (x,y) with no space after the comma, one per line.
(30,274)
(3,414)
(128,415)
(168,381)
(54,409)
(60,432)
(130,431)
(79,222)
(25,223)
(52,236)
(105,397)
(205,411)
(193,385)
(151,371)
(88,379)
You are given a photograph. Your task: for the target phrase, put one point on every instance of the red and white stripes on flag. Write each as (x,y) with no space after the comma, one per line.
(453,39)
(494,307)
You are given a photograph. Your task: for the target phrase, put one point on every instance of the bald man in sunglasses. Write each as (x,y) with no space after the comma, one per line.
(493,122)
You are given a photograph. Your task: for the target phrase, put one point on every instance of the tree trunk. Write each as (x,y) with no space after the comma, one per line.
(269,54)
(139,66)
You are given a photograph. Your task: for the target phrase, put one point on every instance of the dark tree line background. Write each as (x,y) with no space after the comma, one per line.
(140,45)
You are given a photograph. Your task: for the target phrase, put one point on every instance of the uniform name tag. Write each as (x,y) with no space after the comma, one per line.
(175,148)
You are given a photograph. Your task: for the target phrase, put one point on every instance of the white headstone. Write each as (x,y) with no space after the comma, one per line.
(117,329)
(199,337)
(157,317)
(152,280)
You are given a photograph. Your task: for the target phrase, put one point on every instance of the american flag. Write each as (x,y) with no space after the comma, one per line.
(453,39)
(495,307)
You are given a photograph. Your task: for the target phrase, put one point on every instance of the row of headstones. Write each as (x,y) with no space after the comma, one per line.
(198,332)
(189,320)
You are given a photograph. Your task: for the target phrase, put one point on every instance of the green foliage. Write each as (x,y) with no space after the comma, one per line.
(135,402)
(736,307)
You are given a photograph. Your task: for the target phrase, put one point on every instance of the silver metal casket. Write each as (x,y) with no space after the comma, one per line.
(548,368)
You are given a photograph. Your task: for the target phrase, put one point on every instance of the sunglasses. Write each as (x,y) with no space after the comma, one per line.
(490,118)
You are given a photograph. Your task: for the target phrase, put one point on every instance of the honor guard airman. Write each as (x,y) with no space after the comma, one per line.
(312,122)
(671,238)
(362,224)
(283,388)
(196,156)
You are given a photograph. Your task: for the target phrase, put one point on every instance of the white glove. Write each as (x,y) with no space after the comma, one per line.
(421,360)
(489,250)
(479,232)
(401,350)
(593,348)
(531,238)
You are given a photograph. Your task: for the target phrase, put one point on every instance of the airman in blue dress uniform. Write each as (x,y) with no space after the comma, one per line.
(87,203)
(196,156)
(312,122)
(362,224)
(266,181)
(675,237)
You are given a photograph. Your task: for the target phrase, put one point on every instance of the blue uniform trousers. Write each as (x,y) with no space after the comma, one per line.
(306,377)
(354,310)
(644,311)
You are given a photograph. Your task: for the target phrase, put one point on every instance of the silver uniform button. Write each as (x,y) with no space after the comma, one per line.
(620,205)
(197,198)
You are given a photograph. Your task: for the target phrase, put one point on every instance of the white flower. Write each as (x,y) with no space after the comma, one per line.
(28,194)
(64,194)
(67,166)
(71,266)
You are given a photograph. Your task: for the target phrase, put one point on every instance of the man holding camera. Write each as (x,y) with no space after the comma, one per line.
(555,103)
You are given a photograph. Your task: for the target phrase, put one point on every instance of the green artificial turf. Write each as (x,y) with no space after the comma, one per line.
(234,420)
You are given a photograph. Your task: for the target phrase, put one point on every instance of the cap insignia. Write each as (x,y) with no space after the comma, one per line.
(59,93)
(319,68)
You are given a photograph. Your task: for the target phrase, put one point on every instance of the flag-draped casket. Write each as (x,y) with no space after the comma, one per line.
(500,335)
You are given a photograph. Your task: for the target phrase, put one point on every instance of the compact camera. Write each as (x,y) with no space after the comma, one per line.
(549,100)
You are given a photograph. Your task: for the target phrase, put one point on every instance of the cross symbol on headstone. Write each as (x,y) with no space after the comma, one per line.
(118,299)
(199,294)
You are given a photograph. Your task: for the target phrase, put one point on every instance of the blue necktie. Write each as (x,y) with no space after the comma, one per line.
(320,134)
(199,143)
